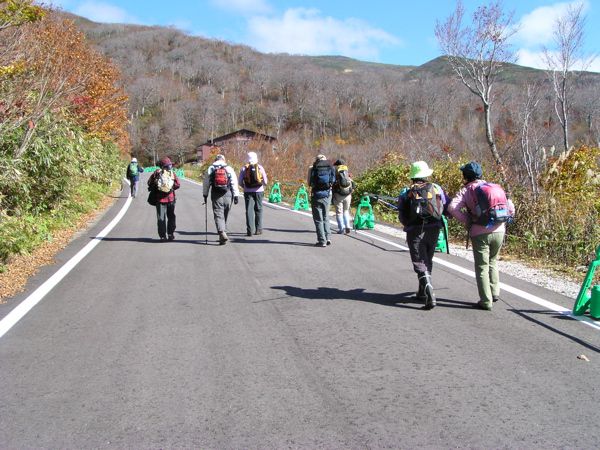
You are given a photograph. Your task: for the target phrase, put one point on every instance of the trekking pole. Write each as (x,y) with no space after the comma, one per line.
(205,224)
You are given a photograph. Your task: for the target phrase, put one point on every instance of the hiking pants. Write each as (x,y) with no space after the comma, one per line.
(486,248)
(165,216)
(134,186)
(221,203)
(254,210)
(341,204)
(421,245)
(320,213)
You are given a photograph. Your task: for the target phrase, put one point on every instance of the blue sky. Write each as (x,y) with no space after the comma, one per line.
(386,31)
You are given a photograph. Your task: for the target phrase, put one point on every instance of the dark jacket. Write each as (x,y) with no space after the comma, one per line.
(404,211)
(135,177)
(163,197)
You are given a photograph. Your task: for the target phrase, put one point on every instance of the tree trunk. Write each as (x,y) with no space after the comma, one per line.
(489,134)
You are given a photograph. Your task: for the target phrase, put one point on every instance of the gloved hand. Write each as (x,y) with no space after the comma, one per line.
(205,197)
(235,200)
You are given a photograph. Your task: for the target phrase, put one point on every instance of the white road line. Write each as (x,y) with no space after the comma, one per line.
(505,287)
(36,296)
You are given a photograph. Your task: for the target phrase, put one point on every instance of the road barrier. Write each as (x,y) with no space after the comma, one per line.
(275,194)
(179,172)
(302,202)
(589,301)
(364,217)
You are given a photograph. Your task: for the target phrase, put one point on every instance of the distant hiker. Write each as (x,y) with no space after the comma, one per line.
(420,210)
(133,175)
(164,183)
(321,177)
(222,182)
(342,196)
(484,209)
(253,180)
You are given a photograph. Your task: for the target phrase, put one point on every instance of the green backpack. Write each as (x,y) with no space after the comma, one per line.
(133,169)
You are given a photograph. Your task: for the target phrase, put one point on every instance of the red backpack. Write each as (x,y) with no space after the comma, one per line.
(492,205)
(220,178)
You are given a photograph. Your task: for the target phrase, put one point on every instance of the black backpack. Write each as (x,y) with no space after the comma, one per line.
(343,182)
(425,201)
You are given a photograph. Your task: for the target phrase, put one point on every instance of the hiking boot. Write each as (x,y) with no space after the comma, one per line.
(258,232)
(495,298)
(328,242)
(483,305)
(425,283)
(348,230)
(320,244)
(340,231)
(223,237)
(420,294)
(171,237)
(163,238)
(248,233)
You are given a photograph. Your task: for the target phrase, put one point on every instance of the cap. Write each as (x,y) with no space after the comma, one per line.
(339,162)
(220,157)
(472,170)
(252,158)
(165,162)
(419,169)
(321,157)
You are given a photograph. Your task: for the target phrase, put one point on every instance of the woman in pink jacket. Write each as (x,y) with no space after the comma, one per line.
(486,238)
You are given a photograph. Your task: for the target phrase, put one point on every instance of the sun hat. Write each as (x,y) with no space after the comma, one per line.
(321,157)
(419,169)
(472,170)
(133,159)
(252,158)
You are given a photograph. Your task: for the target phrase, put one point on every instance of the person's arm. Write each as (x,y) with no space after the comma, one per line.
(264,175)
(176,183)
(234,184)
(241,177)
(457,205)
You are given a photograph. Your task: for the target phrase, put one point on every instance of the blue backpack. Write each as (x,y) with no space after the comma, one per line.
(322,176)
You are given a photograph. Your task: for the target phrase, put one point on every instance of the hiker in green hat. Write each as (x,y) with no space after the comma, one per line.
(420,210)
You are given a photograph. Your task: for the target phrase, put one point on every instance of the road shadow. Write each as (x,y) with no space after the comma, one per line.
(243,239)
(400,300)
(288,230)
(374,243)
(528,314)
(151,240)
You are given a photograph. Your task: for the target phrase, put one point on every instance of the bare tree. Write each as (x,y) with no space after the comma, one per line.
(568,40)
(477,53)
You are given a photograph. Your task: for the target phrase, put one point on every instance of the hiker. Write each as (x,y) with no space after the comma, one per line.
(133,175)
(222,182)
(485,228)
(164,182)
(253,180)
(420,210)
(342,196)
(321,177)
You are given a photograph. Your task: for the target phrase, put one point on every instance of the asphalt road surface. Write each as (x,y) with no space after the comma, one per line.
(269,342)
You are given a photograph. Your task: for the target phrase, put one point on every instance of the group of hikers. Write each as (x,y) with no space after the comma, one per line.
(482,207)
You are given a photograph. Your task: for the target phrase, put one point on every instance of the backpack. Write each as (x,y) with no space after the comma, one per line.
(425,202)
(133,169)
(321,176)
(219,178)
(165,181)
(492,205)
(343,182)
(253,176)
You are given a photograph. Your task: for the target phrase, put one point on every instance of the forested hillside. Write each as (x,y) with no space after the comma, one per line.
(185,90)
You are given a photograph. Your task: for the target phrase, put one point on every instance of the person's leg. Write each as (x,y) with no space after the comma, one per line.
(218,206)
(430,239)
(338,205)
(171,220)
(131,187)
(136,182)
(346,213)
(258,212)
(496,240)
(161,220)
(227,201)
(481,255)
(317,213)
(249,204)
(326,224)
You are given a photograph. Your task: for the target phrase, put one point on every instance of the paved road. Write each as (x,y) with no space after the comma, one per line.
(269,342)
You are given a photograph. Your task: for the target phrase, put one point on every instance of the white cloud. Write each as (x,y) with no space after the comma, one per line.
(306,31)
(104,12)
(536,28)
(244,6)
(537,60)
